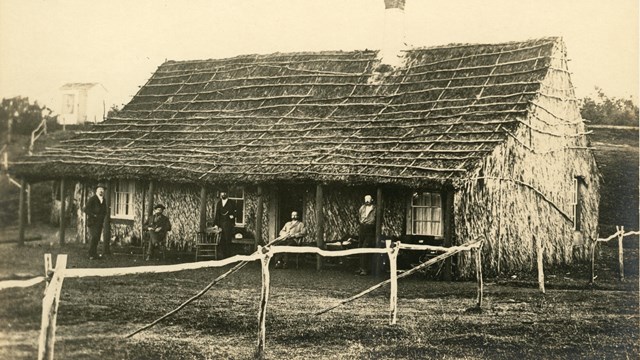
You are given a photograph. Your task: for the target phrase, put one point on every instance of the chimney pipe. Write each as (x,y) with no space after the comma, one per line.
(393,37)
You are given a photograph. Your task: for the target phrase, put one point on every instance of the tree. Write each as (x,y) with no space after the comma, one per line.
(606,110)
(19,116)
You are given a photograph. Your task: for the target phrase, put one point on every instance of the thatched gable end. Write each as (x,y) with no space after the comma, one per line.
(312,116)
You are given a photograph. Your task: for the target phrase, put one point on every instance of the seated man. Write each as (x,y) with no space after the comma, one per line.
(157,225)
(292,234)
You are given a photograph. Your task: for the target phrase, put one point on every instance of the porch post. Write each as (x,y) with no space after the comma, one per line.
(448,231)
(106,228)
(379,212)
(149,204)
(21,213)
(258,237)
(320,222)
(203,208)
(62,211)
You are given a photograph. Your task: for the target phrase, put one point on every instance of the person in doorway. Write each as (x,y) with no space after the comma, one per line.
(96,210)
(157,225)
(225,219)
(366,233)
(292,234)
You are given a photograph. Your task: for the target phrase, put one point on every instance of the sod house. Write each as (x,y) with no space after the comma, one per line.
(456,142)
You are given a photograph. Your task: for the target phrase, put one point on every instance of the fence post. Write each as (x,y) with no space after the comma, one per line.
(50,311)
(540,264)
(265,257)
(620,251)
(48,268)
(478,257)
(593,261)
(22,224)
(393,271)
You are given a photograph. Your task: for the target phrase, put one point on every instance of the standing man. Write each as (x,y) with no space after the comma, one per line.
(225,218)
(367,232)
(292,233)
(96,210)
(157,225)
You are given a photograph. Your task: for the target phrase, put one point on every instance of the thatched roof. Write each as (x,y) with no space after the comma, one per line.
(313,116)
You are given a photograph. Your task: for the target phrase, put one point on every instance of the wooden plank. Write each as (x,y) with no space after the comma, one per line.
(50,304)
(320,223)
(21,213)
(62,211)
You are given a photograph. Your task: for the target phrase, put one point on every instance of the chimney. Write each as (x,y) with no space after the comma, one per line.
(393,37)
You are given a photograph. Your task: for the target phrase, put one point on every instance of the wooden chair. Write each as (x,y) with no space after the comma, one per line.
(146,244)
(207,243)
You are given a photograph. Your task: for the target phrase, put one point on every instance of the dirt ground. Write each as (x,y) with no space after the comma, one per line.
(572,320)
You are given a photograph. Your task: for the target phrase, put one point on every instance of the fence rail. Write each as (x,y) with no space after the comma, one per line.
(620,235)
(56,276)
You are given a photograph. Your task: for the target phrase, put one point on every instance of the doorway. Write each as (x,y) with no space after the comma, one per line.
(290,198)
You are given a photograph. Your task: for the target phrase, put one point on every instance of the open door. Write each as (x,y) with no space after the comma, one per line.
(290,198)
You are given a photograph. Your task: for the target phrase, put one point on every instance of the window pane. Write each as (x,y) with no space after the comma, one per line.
(427,214)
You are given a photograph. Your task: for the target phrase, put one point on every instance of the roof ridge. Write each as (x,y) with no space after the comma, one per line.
(351,52)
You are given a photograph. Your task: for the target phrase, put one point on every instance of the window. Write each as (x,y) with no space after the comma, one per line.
(68,103)
(237,196)
(426,214)
(576,202)
(122,199)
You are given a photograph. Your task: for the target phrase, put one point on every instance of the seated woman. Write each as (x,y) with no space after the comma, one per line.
(292,233)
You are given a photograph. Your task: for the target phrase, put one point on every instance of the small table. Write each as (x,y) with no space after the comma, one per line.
(248,245)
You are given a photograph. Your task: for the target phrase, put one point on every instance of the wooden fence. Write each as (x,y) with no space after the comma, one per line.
(56,276)
(620,235)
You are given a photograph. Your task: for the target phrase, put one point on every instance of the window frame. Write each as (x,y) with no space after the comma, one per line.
(236,199)
(576,202)
(130,187)
(411,217)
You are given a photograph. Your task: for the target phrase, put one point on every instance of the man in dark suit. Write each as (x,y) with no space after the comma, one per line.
(225,218)
(157,225)
(96,210)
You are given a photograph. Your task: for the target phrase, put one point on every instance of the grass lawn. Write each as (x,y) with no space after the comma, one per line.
(571,321)
(617,155)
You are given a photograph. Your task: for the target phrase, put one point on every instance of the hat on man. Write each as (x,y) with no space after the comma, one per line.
(101,185)
(159,206)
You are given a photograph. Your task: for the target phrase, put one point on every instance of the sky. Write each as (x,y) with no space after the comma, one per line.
(120,43)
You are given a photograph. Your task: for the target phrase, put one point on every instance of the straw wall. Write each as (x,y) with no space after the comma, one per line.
(340,211)
(525,187)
